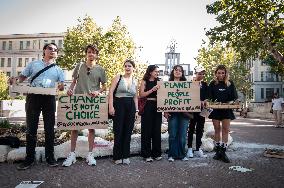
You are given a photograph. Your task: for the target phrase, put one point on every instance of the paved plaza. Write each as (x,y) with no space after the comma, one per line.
(251,137)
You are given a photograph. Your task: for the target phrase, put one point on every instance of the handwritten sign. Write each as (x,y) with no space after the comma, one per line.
(24,89)
(82,112)
(183,96)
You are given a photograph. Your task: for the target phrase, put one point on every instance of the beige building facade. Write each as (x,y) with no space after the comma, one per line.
(17,50)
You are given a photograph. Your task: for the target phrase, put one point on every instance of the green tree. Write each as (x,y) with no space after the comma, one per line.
(210,56)
(252,27)
(4,91)
(115,45)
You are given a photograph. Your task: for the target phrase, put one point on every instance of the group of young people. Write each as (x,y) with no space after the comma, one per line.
(90,78)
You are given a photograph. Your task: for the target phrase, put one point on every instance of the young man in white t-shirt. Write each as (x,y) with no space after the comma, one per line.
(277,103)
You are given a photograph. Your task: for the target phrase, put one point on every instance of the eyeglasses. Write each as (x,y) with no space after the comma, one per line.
(202,74)
(52,49)
(88,71)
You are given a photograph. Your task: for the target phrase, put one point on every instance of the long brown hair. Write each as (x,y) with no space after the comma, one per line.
(226,80)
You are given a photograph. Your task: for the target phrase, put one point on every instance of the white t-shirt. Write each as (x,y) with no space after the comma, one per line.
(277,103)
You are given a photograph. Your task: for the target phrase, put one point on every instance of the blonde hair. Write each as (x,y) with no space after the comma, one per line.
(226,80)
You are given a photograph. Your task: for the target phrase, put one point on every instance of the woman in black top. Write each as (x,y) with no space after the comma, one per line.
(151,119)
(223,90)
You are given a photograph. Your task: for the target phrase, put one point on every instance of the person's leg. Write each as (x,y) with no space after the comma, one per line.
(118,123)
(225,135)
(173,131)
(191,130)
(217,137)
(72,155)
(183,126)
(74,136)
(32,118)
(156,134)
(146,131)
(275,117)
(279,118)
(33,109)
(91,138)
(90,156)
(129,120)
(199,134)
(48,113)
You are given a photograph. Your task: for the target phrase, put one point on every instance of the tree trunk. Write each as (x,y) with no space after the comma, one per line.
(277,55)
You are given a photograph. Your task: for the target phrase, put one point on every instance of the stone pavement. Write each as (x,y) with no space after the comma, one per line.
(251,137)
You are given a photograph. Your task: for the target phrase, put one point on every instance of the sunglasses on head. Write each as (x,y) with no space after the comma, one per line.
(52,49)
(88,71)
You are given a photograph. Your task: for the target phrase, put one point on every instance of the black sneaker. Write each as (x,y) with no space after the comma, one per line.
(25,165)
(51,162)
(224,157)
(218,154)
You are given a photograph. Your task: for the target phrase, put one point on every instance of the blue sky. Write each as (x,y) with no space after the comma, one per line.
(151,23)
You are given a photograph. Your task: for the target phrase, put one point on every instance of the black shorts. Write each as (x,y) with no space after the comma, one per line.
(221,114)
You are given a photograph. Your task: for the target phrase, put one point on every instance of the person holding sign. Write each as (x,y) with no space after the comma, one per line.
(123,106)
(42,74)
(177,124)
(88,78)
(198,120)
(221,90)
(151,120)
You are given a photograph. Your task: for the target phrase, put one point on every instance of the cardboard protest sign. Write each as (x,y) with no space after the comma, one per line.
(178,96)
(82,112)
(25,89)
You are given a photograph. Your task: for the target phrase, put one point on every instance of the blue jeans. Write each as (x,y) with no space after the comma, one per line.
(177,128)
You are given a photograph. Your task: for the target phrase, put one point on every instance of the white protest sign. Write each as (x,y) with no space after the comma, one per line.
(82,112)
(29,184)
(24,89)
(178,96)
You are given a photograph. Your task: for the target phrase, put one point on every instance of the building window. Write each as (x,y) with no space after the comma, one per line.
(26,61)
(262,93)
(21,45)
(45,42)
(2,62)
(251,94)
(8,74)
(261,76)
(60,44)
(9,62)
(53,41)
(28,44)
(277,90)
(4,45)
(34,44)
(18,74)
(269,93)
(10,45)
(277,78)
(20,62)
(33,59)
(269,77)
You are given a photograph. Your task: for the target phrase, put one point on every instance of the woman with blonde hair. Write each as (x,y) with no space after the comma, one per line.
(222,90)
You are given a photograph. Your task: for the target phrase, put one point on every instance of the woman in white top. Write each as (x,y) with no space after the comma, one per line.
(277,109)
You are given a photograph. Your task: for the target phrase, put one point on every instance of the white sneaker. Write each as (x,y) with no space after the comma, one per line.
(158,158)
(200,153)
(189,153)
(126,161)
(171,159)
(91,160)
(185,159)
(149,159)
(70,159)
(118,161)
